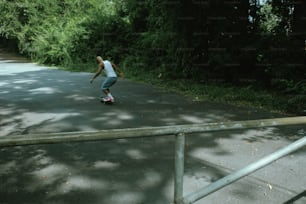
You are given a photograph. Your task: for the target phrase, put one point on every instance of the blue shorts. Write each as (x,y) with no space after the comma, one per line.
(108,82)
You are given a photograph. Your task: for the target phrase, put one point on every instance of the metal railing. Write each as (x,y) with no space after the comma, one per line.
(180,132)
(201,193)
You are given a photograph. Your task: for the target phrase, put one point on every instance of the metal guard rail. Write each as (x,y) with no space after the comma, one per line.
(31,139)
(227,180)
(179,131)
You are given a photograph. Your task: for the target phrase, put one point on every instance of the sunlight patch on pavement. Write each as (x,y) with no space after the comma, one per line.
(105,165)
(7,167)
(63,126)
(8,122)
(258,135)
(44,90)
(150,179)
(192,119)
(78,97)
(6,130)
(127,197)
(24,81)
(56,178)
(239,145)
(17,87)
(32,118)
(116,117)
(207,118)
(20,122)
(51,173)
(125,116)
(3,84)
(40,158)
(135,154)
(8,67)
(151,101)
(81,183)
(195,119)
(169,121)
(198,153)
(6,111)
(48,172)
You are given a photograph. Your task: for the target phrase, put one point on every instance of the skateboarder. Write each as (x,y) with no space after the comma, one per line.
(111,71)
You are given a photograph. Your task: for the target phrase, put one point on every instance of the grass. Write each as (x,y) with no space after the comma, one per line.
(247,96)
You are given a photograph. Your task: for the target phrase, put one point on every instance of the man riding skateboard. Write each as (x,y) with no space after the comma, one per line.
(110,70)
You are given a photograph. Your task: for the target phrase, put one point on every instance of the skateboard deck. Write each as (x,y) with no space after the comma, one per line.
(107,102)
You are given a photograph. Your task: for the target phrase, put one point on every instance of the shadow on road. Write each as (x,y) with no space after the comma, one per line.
(35,99)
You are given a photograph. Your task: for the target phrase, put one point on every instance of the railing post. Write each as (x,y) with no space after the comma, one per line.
(179,167)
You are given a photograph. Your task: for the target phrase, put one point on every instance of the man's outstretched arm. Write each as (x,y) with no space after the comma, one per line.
(98,72)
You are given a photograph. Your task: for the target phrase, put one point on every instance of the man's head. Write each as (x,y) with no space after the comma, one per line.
(99,59)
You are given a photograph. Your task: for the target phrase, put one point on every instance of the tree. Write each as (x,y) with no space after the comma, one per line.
(269,21)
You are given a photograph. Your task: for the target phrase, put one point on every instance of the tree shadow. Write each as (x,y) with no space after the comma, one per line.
(119,171)
(102,172)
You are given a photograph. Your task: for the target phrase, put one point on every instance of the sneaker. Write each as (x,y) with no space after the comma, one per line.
(108,99)
(105,99)
(112,100)
(102,99)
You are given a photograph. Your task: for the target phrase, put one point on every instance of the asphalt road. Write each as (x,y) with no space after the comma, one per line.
(38,99)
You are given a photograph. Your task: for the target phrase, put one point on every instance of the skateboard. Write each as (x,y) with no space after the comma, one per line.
(106,102)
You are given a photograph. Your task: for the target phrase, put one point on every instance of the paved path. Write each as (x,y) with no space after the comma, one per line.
(35,99)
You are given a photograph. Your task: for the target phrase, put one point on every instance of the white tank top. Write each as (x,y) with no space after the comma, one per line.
(108,69)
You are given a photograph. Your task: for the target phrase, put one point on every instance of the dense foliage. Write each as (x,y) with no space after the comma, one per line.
(62,32)
(234,42)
